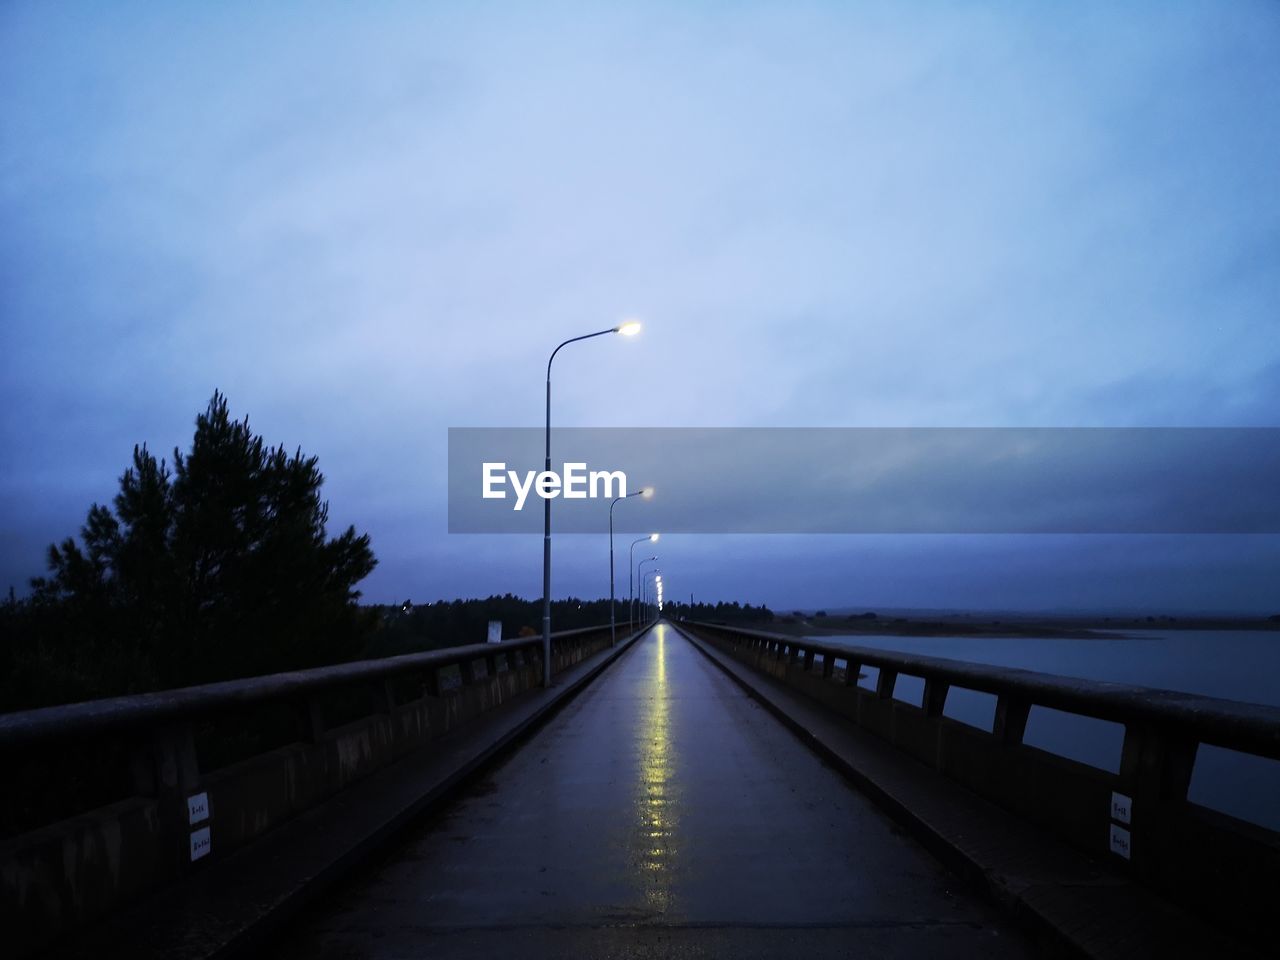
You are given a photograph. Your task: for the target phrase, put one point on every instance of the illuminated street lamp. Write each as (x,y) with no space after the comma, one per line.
(631,587)
(628,329)
(646,595)
(644,587)
(647,493)
(640,585)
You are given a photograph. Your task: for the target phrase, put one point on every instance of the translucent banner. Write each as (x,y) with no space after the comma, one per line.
(868,480)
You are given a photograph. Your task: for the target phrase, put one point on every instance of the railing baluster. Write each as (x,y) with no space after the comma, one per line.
(384,695)
(1156,767)
(310,720)
(935,696)
(1011,719)
(434,684)
(885,683)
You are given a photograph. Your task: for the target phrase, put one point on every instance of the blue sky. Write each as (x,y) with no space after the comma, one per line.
(368,224)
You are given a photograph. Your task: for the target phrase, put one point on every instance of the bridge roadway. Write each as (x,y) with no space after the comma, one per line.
(661,813)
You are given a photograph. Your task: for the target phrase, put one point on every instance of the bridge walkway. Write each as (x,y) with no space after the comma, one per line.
(661,813)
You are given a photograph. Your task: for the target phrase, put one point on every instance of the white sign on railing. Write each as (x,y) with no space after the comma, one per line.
(201,843)
(1120,806)
(1120,841)
(495,631)
(197,808)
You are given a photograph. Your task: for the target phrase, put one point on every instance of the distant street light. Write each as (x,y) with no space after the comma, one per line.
(644,592)
(640,582)
(647,493)
(631,587)
(628,329)
(644,588)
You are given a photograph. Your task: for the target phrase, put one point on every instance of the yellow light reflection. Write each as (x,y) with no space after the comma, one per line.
(655,845)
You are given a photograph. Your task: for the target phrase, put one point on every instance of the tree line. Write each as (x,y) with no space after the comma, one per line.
(218,565)
(408,626)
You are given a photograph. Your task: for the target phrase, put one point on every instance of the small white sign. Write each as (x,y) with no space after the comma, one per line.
(495,631)
(1120,841)
(198,808)
(1120,806)
(201,843)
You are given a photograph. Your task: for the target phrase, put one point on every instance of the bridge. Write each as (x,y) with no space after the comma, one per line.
(696,790)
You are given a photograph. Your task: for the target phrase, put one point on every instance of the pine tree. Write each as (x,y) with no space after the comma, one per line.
(220,567)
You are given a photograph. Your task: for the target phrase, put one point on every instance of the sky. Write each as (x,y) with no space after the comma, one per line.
(367,224)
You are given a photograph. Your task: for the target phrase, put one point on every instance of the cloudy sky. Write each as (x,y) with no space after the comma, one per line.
(369,223)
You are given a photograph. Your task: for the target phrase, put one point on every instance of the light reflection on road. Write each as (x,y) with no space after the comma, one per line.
(655,842)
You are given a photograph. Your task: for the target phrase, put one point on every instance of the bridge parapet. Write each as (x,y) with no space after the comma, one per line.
(1139,818)
(109,799)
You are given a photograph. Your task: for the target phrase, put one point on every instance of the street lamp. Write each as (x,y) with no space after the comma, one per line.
(644,593)
(647,493)
(628,329)
(640,582)
(631,586)
(644,588)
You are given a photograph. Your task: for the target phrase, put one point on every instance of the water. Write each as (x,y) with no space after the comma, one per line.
(1231,664)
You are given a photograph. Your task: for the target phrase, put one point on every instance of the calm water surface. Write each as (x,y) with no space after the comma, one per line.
(1231,664)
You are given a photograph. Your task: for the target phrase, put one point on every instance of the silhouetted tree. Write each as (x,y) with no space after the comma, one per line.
(217,568)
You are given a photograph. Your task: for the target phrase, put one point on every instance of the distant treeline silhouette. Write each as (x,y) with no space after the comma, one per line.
(719,612)
(220,567)
(409,626)
(445,623)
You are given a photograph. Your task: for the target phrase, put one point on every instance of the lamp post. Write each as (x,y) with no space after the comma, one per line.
(631,582)
(628,329)
(645,594)
(640,582)
(644,588)
(645,492)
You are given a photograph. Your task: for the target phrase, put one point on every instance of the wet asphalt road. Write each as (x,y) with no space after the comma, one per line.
(662,813)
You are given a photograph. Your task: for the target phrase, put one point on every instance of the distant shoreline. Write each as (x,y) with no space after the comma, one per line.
(986,625)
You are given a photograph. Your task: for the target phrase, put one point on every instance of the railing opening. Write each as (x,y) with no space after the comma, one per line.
(341,707)
(1239,784)
(1088,740)
(971,707)
(38,793)
(839,667)
(225,740)
(909,689)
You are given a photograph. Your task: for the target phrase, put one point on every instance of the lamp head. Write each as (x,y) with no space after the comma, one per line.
(647,493)
(653,538)
(628,328)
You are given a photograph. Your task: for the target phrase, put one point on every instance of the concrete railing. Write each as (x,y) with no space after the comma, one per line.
(1139,818)
(146,789)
